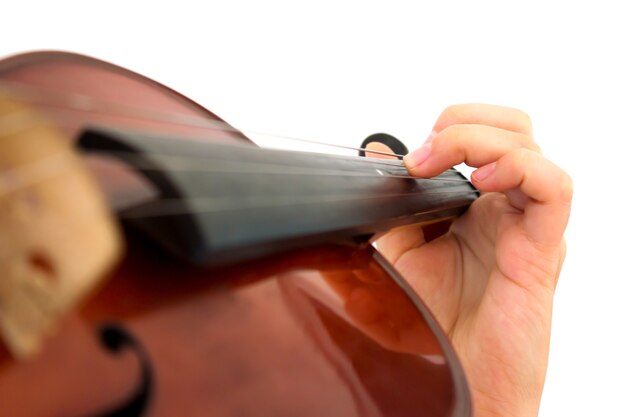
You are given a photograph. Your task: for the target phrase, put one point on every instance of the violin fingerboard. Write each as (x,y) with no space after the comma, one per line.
(220,202)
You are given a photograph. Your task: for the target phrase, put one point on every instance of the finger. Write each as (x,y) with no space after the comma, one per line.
(501,117)
(561,260)
(548,187)
(476,145)
(396,242)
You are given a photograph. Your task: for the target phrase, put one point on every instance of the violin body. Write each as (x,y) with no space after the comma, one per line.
(225,310)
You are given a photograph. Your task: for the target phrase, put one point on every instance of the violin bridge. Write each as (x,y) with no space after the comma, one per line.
(57,238)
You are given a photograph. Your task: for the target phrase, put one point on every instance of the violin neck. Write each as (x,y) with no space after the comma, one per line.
(221,202)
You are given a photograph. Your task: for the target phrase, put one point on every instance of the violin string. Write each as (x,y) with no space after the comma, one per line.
(208,140)
(86,103)
(23,176)
(221,166)
(94,104)
(16,178)
(15,125)
(29,174)
(179,206)
(371,162)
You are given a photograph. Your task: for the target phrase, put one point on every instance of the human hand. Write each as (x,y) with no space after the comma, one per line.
(490,279)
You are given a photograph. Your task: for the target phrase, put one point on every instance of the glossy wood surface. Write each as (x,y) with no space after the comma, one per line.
(326,331)
(322,332)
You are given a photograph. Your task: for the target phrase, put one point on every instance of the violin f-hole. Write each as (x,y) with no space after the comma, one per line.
(114,338)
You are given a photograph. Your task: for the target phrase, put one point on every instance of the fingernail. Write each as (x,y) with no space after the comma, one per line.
(418,156)
(483,172)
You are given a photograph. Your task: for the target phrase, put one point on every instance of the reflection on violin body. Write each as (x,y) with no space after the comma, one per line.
(380,309)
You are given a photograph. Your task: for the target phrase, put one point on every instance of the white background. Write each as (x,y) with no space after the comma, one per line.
(339,71)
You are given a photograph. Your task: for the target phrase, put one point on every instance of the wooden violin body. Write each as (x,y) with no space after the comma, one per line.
(224,302)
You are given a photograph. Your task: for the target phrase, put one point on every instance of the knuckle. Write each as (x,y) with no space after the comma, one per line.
(451,141)
(520,160)
(521,157)
(566,187)
(531,144)
(451,114)
(452,110)
(525,120)
(521,120)
(497,203)
(536,147)
(450,135)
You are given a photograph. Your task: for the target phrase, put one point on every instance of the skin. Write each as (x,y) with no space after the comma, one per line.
(490,280)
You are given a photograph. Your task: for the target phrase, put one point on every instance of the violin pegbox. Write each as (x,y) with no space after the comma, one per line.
(57,237)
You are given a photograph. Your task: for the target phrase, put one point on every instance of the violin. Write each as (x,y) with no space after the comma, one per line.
(156,262)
